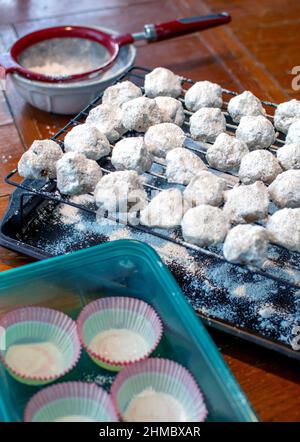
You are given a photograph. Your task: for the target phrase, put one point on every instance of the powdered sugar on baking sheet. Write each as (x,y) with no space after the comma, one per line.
(216,289)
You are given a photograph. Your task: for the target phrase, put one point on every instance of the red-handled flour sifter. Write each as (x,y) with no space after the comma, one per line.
(57,42)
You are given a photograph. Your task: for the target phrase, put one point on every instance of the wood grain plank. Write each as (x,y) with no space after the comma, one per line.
(5,115)
(275,46)
(235,57)
(11,150)
(126,18)
(13,11)
(8,258)
(270,381)
(262,13)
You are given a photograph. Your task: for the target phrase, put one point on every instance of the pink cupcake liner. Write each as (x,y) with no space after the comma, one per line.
(175,380)
(120,303)
(46,316)
(94,401)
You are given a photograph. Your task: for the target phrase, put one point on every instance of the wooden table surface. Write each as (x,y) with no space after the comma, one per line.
(257,51)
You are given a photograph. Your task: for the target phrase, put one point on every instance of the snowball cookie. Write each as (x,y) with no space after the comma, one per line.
(293,135)
(244,204)
(289,156)
(165,210)
(40,160)
(120,192)
(76,174)
(205,188)
(283,228)
(257,132)
(206,124)
(246,244)
(163,137)
(139,114)
(285,190)
(245,104)
(162,81)
(259,165)
(88,140)
(131,154)
(226,152)
(286,114)
(203,94)
(171,110)
(205,225)
(107,119)
(120,93)
(182,165)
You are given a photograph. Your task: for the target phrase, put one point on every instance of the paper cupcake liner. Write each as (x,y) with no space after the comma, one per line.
(38,324)
(119,312)
(67,399)
(162,375)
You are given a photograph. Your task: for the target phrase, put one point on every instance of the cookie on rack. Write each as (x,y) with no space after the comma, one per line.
(293,134)
(120,192)
(87,140)
(289,156)
(205,188)
(39,161)
(247,203)
(226,153)
(203,94)
(256,131)
(245,104)
(163,137)
(171,110)
(259,165)
(246,244)
(108,120)
(139,114)
(76,174)
(205,225)
(165,210)
(183,165)
(285,189)
(162,81)
(284,228)
(286,114)
(120,93)
(131,154)
(206,124)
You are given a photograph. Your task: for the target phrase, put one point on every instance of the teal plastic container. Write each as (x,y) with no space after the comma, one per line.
(127,268)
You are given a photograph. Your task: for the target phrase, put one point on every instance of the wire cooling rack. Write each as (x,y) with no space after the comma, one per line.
(157,181)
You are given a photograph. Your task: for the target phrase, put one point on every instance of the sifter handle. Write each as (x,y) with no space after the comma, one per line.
(163,31)
(174,28)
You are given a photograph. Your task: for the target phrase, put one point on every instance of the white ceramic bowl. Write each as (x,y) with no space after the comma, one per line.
(71,98)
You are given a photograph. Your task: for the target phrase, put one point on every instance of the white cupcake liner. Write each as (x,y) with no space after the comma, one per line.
(36,325)
(68,399)
(119,312)
(161,375)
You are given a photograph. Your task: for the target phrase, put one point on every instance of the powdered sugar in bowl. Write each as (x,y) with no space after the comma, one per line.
(69,97)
